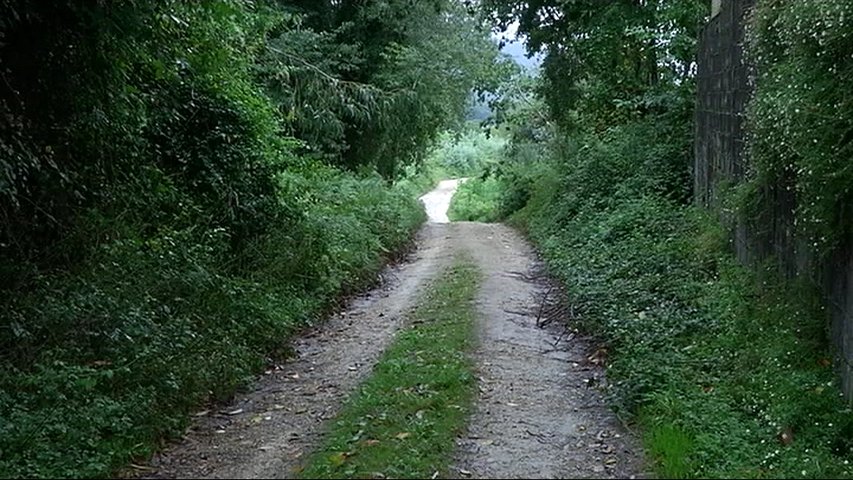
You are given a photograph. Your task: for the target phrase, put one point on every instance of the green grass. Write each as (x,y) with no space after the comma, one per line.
(403,421)
(477,200)
(669,447)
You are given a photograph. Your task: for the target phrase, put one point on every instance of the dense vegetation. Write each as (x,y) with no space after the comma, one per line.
(801,119)
(185,184)
(726,369)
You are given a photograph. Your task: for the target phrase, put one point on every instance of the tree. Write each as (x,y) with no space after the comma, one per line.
(611,61)
(373,83)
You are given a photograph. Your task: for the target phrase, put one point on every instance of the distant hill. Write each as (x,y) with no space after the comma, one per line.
(517,50)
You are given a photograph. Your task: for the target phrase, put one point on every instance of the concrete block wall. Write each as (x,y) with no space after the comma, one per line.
(723,91)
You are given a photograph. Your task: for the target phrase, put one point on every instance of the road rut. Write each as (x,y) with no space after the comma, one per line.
(538,414)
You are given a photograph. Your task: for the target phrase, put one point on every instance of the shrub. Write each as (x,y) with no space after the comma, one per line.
(800,119)
(714,361)
(476,200)
(102,362)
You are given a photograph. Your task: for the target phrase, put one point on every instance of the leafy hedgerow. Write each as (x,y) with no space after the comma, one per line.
(727,370)
(168,327)
(183,185)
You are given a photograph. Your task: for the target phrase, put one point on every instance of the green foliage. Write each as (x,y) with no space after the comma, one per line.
(404,420)
(374,83)
(168,215)
(420,178)
(477,200)
(670,448)
(466,152)
(129,118)
(609,62)
(801,119)
(104,361)
(717,361)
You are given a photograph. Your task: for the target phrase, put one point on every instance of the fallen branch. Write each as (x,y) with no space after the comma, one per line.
(565,331)
(542,305)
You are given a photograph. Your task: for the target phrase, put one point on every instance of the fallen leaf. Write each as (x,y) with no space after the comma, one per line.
(357,436)
(599,357)
(338,459)
(462,471)
(403,435)
(371,442)
(610,460)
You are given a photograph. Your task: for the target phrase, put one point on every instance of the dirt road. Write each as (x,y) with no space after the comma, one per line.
(538,413)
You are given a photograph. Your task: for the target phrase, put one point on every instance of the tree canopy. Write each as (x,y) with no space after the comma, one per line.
(608,61)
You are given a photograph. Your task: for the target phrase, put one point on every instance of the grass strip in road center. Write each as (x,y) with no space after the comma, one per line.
(403,420)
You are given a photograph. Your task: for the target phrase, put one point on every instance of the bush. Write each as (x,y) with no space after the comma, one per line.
(476,200)
(715,362)
(467,152)
(800,119)
(104,361)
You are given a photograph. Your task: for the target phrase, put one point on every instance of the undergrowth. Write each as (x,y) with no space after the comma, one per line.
(476,200)
(727,370)
(169,325)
